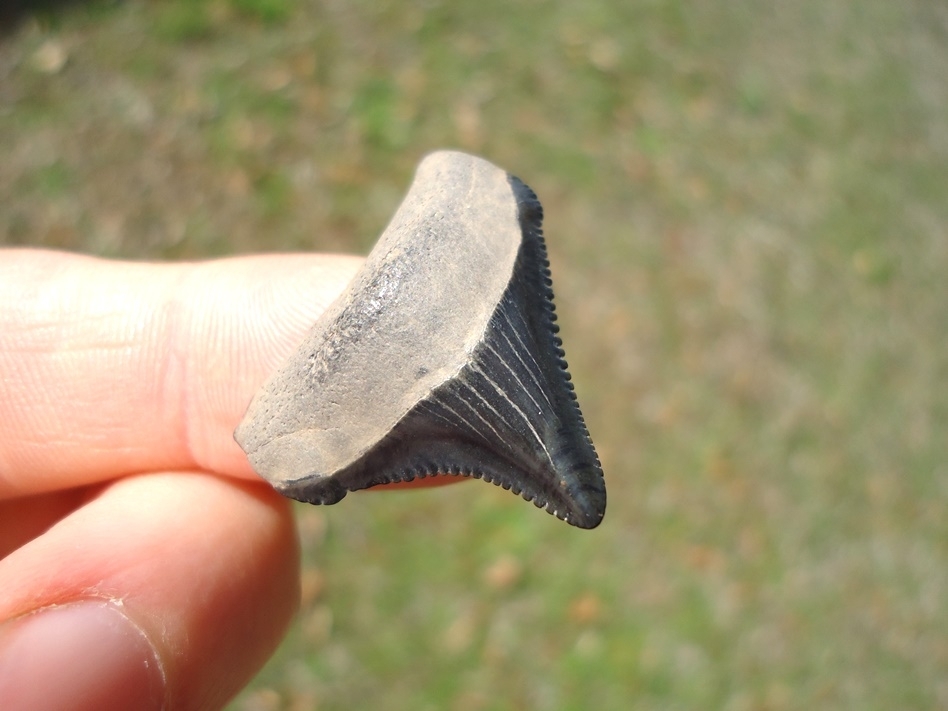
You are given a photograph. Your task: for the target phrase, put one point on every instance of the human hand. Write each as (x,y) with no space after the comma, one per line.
(142,562)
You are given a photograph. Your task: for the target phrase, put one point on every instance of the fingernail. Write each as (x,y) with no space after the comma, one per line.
(84,655)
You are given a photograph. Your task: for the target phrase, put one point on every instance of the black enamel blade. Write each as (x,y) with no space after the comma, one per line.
(441,358)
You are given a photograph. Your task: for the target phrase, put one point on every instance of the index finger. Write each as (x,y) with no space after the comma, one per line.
(110,368)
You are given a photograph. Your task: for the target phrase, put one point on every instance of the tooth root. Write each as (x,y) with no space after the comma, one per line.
(441,357)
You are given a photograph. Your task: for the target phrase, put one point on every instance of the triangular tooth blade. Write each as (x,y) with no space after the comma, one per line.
(441,357)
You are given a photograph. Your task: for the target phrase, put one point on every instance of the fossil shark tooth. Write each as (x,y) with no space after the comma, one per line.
(441,357)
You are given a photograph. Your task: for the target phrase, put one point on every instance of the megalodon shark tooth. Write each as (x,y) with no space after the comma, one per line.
(440,358)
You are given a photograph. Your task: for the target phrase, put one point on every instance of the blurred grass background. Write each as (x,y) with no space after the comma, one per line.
(747,213)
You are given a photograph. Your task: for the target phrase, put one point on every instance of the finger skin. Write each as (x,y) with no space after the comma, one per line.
(206,566)
(111,368)
(120,384)
(108,369)
(23,519)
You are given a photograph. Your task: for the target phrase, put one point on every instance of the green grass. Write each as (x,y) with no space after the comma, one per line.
(747,218)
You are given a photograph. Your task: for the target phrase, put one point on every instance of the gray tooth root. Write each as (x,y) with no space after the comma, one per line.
(441,357)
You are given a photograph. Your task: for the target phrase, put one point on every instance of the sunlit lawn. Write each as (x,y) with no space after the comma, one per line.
(747,213)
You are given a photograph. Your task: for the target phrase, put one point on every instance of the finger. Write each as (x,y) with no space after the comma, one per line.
(171,588)
(23,519)
(109,368)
